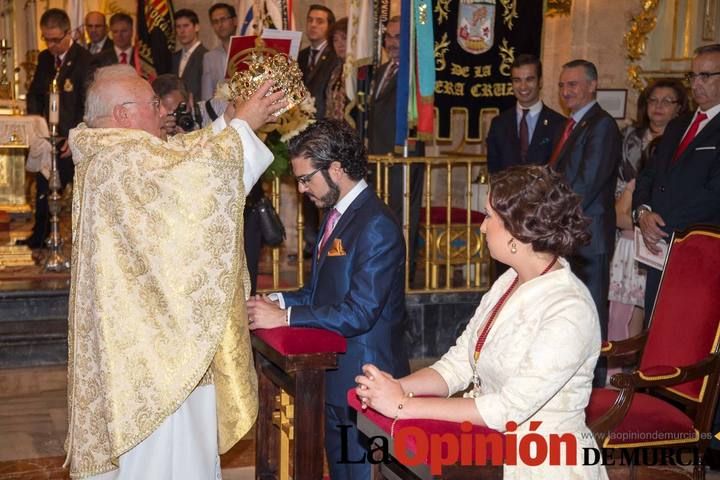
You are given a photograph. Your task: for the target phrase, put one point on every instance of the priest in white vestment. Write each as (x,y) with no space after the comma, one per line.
(160,372)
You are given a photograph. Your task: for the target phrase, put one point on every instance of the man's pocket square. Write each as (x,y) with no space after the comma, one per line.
(337,249)
(711,147)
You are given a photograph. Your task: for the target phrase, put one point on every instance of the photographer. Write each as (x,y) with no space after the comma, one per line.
(186,116)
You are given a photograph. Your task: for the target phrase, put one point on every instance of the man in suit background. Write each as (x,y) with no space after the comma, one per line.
(316,63)
(97,30)
(187,63)
(317,60)
(71,63)
(681,185)
(223,19)
(121,26)
(357,288)
(588,153)
(381,136)
(526,133)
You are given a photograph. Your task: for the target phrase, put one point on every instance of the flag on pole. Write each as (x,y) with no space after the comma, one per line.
(258,14)
(76,12)
(155,37)
(361,24)
(424,47)
(403,78)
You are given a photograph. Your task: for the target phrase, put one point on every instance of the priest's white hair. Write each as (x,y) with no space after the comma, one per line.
(100,99)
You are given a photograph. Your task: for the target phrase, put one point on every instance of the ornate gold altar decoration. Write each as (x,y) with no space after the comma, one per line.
(6,90)
(558,8)
(635,40)
(29,65)
(56,261)
(264,64)
(13,148)
(283,418)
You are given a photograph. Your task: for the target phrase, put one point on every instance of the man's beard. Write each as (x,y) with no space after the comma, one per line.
(331,197)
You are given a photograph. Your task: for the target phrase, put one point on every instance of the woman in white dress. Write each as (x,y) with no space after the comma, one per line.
(539,325)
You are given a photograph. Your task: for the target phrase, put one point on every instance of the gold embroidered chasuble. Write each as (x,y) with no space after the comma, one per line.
(158,288)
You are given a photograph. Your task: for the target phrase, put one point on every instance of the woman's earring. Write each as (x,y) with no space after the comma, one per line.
(513,247)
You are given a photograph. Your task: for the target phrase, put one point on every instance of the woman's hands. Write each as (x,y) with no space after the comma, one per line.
(379,390)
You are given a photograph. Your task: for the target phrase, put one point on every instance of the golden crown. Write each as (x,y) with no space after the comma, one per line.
(265,64)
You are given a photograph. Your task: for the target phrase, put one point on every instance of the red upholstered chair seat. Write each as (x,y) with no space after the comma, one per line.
(649,421)
(430,427)
(438,215)
(302,341)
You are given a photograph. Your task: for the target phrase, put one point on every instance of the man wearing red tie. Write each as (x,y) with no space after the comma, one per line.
(681,185)
(121,27)
(587,154)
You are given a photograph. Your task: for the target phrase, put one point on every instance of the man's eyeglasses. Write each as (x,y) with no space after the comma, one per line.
(218,21)
(155,102)
(662,102)
(305,179)
(702,76)
(54,41)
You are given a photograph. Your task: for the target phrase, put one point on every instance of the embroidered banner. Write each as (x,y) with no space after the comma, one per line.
(155,37)
(476,41)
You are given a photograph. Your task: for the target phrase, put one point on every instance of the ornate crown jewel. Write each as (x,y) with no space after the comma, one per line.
(265,64)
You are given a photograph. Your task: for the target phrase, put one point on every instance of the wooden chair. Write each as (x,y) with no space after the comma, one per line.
(670,399)
(291,364)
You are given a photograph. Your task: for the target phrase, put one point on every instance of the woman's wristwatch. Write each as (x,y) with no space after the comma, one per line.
(639,212)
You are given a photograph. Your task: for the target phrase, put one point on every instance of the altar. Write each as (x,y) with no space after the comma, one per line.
(21,137)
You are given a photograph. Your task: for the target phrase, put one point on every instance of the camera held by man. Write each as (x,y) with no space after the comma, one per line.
(185,114)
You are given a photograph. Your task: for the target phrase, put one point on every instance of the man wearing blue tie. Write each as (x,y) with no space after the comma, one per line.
(357,287)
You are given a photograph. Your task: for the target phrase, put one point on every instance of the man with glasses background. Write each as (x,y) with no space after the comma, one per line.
(225,23)
(357,285)
(71,62)
(680,186)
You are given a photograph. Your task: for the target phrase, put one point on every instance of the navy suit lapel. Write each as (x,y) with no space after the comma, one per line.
(513,129)
(541,127)
(342,224)
(575,134)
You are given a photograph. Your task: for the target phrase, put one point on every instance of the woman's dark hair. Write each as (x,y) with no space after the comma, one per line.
(538,207)
(643,120)
(339,26)
(327,141)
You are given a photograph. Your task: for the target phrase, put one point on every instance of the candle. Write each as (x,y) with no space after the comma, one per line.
(54,115)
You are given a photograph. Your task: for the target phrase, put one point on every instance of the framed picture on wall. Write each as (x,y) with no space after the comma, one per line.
(613,101)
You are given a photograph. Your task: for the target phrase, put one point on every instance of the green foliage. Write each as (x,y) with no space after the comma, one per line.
(280,165)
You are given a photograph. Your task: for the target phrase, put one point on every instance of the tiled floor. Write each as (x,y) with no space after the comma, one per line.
(33,426)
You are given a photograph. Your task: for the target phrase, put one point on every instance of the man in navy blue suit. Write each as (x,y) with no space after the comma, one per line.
(357,288)
(526,133)
(588,154)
